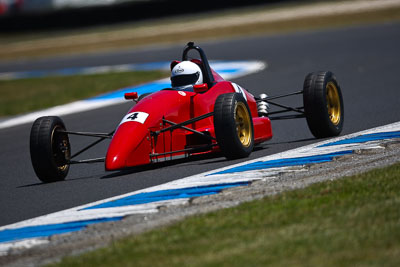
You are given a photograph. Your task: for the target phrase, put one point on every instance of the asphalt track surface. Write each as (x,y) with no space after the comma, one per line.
(365,60)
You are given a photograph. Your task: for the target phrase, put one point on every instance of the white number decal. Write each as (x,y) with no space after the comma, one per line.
(135,116)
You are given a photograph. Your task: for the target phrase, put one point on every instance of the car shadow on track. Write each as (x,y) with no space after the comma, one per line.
(30,185)
(295,141)
(202,159)
(192,160)
(51,183)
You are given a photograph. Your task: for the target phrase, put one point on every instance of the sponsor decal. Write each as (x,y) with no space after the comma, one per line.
(179,70)
(239,90)
(182,93)
(136,116)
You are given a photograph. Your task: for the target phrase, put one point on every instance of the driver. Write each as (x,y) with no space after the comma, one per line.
(186,74)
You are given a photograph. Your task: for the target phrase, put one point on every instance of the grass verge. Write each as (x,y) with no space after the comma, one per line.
(25,95)
(353,221)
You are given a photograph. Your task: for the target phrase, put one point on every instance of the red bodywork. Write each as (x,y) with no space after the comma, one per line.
(134,142)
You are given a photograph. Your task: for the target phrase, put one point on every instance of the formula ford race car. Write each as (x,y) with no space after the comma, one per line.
(216,115)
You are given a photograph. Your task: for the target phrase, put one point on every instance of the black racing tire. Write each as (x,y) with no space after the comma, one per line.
(233,126)
(323,104)
(50,149)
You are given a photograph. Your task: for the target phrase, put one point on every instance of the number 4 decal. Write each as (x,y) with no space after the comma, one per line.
(135,116)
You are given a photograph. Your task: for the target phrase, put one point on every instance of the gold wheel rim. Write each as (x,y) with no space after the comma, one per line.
(333,103)
(57,142)
(243,125)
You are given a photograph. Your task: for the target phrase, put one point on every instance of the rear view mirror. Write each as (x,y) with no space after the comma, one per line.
(200,88)
(132,95)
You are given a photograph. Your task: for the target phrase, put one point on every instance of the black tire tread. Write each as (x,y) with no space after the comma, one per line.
(315,104)
(41,149)
(225,127)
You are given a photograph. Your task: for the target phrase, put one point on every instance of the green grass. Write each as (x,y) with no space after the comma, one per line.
(353,221)
(25,95)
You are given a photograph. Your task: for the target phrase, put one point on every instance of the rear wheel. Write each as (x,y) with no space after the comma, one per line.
(233,126)
(323,104)
(50,149)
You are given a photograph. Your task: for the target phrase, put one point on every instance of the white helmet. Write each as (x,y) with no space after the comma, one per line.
(185,75)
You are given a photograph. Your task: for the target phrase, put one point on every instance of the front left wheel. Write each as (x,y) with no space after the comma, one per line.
(233,126)
(50,149)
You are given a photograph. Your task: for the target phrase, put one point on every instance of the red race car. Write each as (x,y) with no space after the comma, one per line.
(207,116)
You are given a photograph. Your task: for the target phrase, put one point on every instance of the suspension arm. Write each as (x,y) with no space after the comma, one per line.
(191,130)
(298,110)
(179,125)
(87,161)
(278,96)
(102,137)
(187,150)
(287,117)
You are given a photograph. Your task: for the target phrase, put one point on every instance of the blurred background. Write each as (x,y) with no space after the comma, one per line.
(28,15)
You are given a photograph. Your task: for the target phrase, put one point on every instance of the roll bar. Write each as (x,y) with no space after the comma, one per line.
(209,77)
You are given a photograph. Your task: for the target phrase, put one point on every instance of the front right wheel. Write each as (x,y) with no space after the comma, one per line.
(323,104)
(233,126)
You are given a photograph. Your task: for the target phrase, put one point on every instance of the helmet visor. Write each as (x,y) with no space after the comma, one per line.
(184,79)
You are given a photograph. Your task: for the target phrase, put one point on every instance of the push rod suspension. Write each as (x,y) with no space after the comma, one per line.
(287,117)
(179,125)
(282,111)
(100,135)
(278,96)
(192,149)
(191,130)
(87,161)
(287,108)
